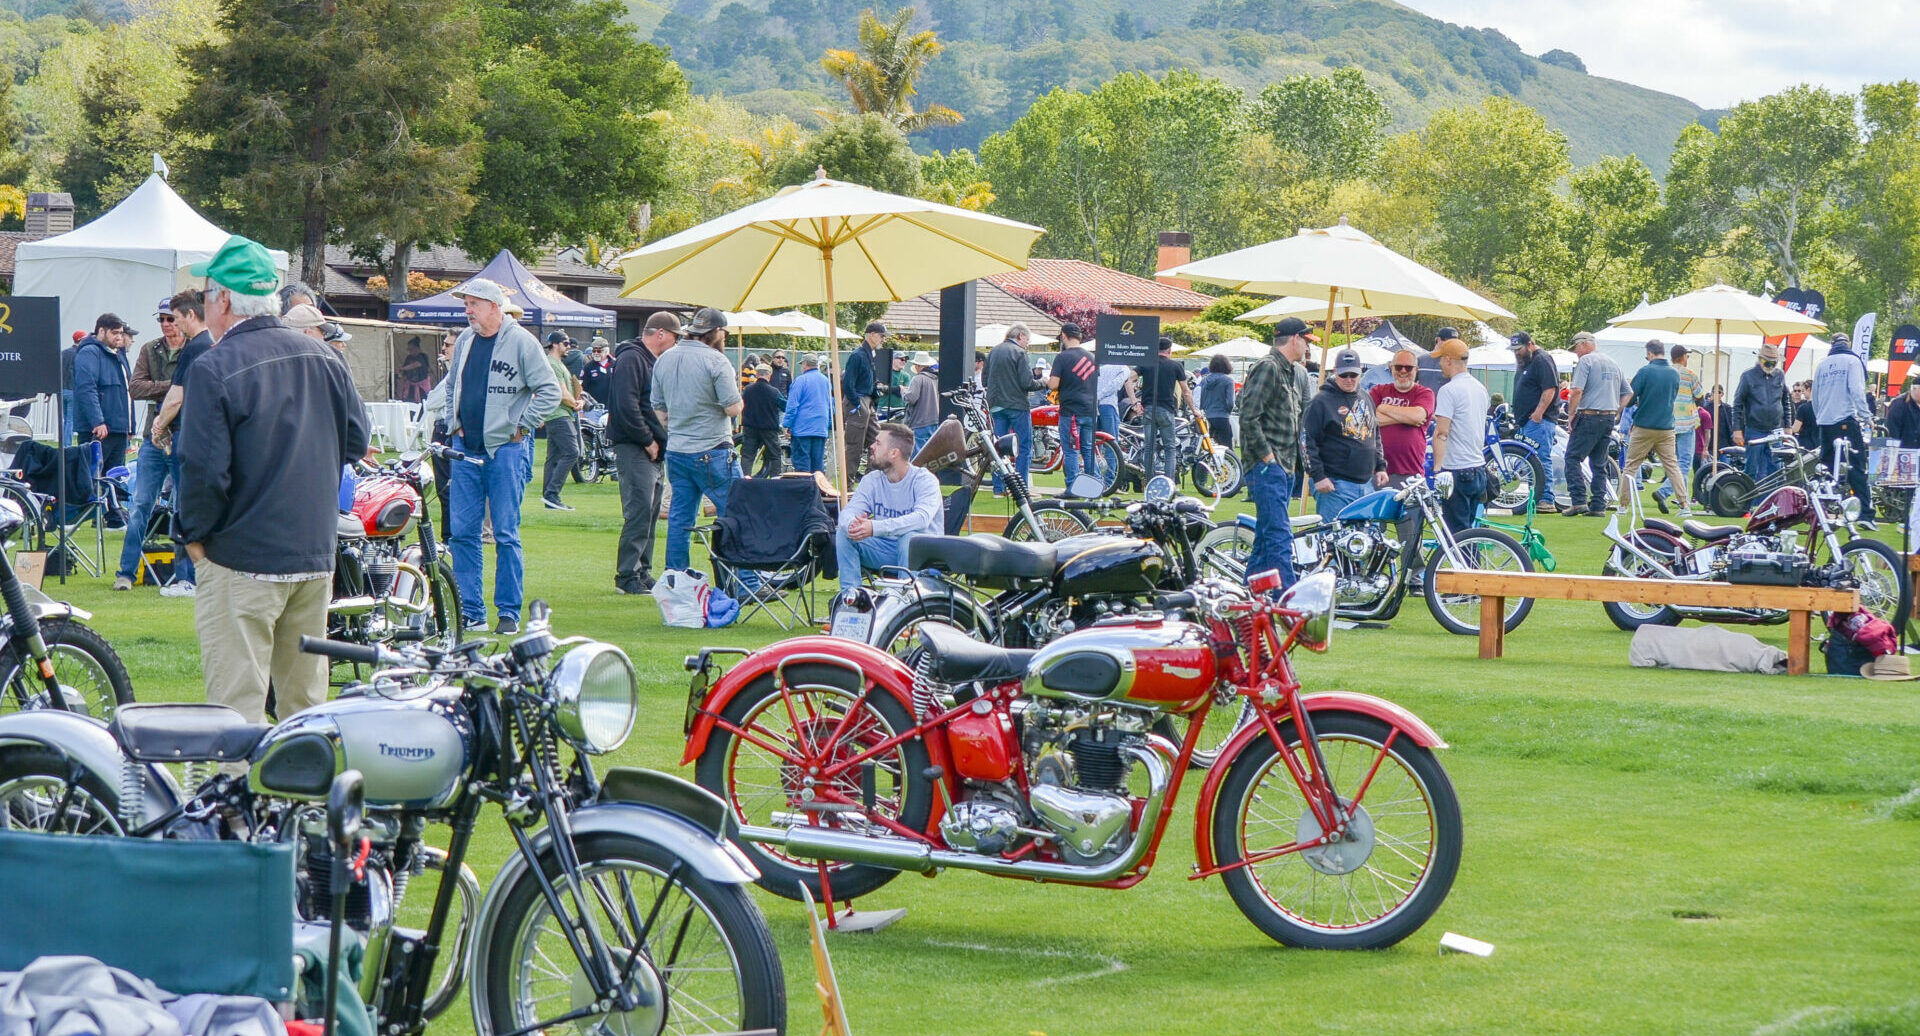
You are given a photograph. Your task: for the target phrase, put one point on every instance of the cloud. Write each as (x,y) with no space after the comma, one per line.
(1715,54)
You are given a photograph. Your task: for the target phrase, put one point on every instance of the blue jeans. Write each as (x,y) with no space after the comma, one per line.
(921,435)
(1110,419)
(1684,441)
(66,416)
(1271,489)
(497,483)
(149,474)
(691,475)
(1460,509)
(1329,504)
(809,452)
(1077,457)
(1760,462)
(1020,423)
(873,552)
(1540,434)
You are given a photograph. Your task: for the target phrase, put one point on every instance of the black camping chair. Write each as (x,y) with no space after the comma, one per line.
(774,540)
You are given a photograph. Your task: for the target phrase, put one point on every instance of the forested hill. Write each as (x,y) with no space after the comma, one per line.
(1000,56)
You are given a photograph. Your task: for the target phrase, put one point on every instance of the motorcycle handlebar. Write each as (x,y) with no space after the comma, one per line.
(1184,599)
(364,654)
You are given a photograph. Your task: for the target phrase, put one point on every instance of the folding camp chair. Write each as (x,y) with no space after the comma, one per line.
(769,547)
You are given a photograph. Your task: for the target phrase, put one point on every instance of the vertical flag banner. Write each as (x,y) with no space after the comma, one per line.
(1901,356)
(1863,336)
(1800,300)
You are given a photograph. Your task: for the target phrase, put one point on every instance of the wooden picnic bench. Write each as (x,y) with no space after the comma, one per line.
(1494,588)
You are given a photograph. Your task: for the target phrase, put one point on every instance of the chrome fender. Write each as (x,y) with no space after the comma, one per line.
(897,595)
(45,607)
(619,810)
(87,741)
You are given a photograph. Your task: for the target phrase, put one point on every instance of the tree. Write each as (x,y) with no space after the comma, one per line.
(1780,159)
(1328,123)
(572,142)
(314,114)
(956,178)
(882,76)
(715,156)
(1881,223)
(865,149)
(1600,251)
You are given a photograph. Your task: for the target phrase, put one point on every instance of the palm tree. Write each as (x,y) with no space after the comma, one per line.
(880,75)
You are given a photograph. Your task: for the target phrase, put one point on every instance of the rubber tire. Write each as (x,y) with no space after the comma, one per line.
(1228,476)
(1536,471)
(73,633)
(1242,769)
(1726,493)
(445,589)
(587,468)
(853,880)
(31,759)
(1018,532)
(1106,457)
(1433,595)
(763,984)
(967,618)
(1231,533)
(1617,613)
(1892,558)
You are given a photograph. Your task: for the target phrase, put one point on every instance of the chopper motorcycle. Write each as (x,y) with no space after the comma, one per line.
(1795,535)
(622,910)
(1328,817)
(49,657)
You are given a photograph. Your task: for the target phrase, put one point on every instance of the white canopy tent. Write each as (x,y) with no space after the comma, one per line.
(1628,347)
(124,262)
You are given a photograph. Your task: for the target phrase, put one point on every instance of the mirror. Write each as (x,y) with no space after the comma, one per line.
(410,457)
(346,806)
(539,614)
(1088,486)
(1159,489)
(1313,597)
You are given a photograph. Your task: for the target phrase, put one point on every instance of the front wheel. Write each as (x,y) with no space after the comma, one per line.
(1726,492)
(704,956)
(1629,615)
(1523,480)
(1055,524)
(587,468)
(92,677)
(1372,888)
(1223,552)
(1478,550)
(1882,578)
(1217,476)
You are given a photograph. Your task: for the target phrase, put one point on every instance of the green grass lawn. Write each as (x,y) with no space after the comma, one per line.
(1650,851)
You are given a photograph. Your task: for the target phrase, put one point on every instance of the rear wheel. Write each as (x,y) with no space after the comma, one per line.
(1223,552)
(35,794)
(1628,615)
(1726,493)
(1055,524)
(1479,550)
(1046,450)
(1106,466)
(587,468)
(1372,888)
(92,677)
(1882,579)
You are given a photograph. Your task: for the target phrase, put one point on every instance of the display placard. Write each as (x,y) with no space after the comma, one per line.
(1119,338)
(29,344)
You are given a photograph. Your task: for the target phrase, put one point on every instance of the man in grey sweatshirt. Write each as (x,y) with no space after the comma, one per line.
(499,386)
(894,502)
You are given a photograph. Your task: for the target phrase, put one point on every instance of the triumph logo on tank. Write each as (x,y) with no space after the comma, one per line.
(411,753)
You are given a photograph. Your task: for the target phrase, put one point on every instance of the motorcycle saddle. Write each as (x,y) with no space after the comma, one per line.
(959,658)
(349,526)
(1711,533)
(983,556)
(1662,525)
(163,733)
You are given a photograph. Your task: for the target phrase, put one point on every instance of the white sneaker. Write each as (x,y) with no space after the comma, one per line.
(177,588)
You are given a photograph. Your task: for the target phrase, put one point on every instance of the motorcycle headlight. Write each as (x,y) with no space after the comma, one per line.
(1313,597)
(1852,509)
(596,697)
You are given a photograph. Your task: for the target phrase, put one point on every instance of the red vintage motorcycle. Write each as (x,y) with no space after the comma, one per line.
(1048,455)
(1327,816)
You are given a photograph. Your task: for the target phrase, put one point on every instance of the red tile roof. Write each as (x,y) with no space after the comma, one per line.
(1111,286)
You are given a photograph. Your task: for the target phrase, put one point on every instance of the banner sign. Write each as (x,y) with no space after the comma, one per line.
(1119,338)
(1800,300)
(1863,336)
(29,345)
(1901,356)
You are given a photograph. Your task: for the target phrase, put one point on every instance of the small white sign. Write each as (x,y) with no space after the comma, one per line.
(1456,943)
(853,625)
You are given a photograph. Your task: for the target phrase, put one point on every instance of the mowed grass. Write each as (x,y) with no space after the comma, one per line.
(1650,851)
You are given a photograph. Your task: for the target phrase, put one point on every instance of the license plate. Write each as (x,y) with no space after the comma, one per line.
(853,625)
(696,697)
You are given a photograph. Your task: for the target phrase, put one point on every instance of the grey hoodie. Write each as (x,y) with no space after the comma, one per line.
(520,385)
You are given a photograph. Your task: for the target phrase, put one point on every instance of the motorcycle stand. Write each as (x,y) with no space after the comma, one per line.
(851,920)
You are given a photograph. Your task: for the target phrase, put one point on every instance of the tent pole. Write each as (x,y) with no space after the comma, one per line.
(833,358)
(1326,347)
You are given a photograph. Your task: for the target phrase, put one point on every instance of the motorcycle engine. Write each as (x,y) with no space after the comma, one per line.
(988,822)
(1362,560)
(1079,786)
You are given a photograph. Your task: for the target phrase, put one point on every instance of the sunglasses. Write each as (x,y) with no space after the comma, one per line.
(1404,369)
(165,319)
(1349,374)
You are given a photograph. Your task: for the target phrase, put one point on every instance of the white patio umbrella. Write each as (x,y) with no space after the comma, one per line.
(823,241)
(1563,359)
(1370,354)
(1308,309)
(1343,264)
(1242,348)
(1721,309)
(1490,356)
(811,326)
(754,322)
(986,336)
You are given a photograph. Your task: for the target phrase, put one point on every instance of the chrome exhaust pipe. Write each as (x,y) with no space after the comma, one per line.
(823,843)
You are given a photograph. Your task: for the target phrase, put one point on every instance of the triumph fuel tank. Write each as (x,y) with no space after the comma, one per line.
(1098,564)
(411,753)
(1149,662)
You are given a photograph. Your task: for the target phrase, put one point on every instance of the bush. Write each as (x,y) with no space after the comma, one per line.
(1198,334)
(1226,308)
(1065,306)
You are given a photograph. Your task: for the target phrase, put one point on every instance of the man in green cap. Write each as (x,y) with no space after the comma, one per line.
(269,419)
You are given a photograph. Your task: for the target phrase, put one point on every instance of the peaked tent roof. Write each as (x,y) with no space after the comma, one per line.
(544,306)
(152,226)
(1388,337)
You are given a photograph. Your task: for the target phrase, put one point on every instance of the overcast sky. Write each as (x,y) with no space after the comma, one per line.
(1715,53)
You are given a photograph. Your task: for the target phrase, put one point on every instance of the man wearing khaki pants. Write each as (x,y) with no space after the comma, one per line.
(1652,393)
(270,417)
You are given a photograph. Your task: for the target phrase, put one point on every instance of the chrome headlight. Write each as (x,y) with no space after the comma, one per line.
(1851,507)
(1313,597)
(596,697)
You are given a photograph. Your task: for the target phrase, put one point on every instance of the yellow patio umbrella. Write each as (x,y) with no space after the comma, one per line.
(824,241)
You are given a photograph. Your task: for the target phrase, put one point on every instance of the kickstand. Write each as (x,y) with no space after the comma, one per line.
(826,895)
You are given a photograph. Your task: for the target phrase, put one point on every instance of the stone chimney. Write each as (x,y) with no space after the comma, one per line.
(1176,249)
(49,214)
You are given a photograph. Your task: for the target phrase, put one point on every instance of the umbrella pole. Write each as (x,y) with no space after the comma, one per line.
(1326,348)
(833,357)
(1719,376)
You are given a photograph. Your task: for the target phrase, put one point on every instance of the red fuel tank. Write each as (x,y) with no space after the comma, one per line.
(1156,663)
(385,505)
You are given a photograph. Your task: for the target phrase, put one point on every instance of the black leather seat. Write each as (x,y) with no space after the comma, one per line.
(1711,533)
(1665,526)
(990,557)
(958,658)
(185,733)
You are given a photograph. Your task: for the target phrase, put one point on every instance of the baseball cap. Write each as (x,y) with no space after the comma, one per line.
(482,289)
(1166,344)
(1582,336)
(764,369)
(1347,362)
(705,320)
(302,317)
(165,308)
(1450,349)
(1519,339)
(1292,326)
(1677,352)
(241,265)
(876,327)
(333,332)
(1449,332)
(1072,331)
(1840,338)
(557,336)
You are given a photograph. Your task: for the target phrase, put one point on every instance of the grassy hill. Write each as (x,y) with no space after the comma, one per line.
(1000,57)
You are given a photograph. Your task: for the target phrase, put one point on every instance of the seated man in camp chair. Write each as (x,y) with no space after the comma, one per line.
(893,503)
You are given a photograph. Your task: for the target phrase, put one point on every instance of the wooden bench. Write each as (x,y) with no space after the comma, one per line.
(1494,588)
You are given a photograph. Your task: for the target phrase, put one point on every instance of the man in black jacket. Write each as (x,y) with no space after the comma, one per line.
(1342,437)
(1761,406)
(270,418)
(760,424)
(639,448)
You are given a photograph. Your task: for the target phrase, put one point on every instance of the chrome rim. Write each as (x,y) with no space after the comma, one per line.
(1624,563)
(1879,583)
(33,804)
(83,682)
(1225,554)
(685,960)
(1479,555)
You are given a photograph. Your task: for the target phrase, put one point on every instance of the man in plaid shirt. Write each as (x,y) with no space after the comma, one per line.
(1270,405)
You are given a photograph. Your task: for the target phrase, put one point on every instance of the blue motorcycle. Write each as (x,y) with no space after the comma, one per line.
(1523,471)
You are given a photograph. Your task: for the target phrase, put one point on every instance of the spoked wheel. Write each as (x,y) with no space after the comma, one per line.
(1479,550)
(765,774)
(587,468)
(1218,475)
(1523,480)
(1229,713)
(1882,578)
(698,950)
(1056,523)
(1106,466)
(1369,890)
(1223,552)
(1628,615)
(92,677)
(35,795)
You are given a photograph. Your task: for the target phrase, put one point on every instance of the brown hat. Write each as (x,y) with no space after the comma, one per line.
(1769,351)
(1452,348)
(1889,667)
